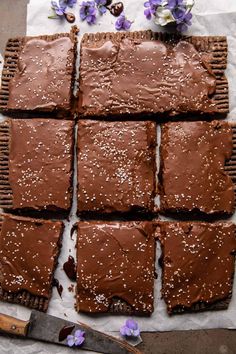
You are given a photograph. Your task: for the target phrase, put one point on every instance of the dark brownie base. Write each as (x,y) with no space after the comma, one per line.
(215,48)
(6,195)
(25,298)
(200,306)
(12,52)
(183,212)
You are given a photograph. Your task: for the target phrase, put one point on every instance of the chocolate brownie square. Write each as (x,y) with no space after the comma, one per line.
(192,175)
(116,166)
(115,267)
(39,73)
(36,164)
(29,249)
(144,73)
(198,265)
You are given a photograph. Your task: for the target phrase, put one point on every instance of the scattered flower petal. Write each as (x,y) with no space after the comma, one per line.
(59,7)
(77,339)
(122,23)
(88,12)
(130,329)
(101,5)
(70,340)
(70,3)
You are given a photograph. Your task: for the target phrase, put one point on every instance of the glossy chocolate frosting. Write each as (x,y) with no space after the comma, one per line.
(44,75)
(198,263)
(116,165)
(28,254)
(127,75)
(192,176)
(41,163)
(115,260)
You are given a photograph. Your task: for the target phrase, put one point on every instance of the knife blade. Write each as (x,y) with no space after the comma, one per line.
(47,328)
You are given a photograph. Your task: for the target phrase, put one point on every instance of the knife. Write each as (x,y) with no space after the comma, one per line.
(48,328)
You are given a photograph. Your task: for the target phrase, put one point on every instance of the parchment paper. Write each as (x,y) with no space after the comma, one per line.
(212,17)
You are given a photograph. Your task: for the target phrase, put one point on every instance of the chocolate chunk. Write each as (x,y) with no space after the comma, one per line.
(167,74)
(198,267)
(69,268)
(38,74)
(116,9)
(64,332)
(192,176)
(38,166)
(58,286)
(115,267)
(70,17)
(28,257)
(116,166)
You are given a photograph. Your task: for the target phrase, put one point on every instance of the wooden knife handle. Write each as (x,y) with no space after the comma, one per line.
(12,325)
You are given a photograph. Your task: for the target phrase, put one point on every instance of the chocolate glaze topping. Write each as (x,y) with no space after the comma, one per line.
(40,163)
(192,176)
(115,260)
(198,263)
(163,77)
(43,80)
(28,254)
(116,165)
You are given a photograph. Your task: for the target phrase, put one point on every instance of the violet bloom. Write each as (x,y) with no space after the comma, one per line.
(122,23)
(130,329)
(179,14)
(77,339)
(59,7)
(151,7)
(88,12)
(70,3)
(186,21)
(101,5)
(174,3)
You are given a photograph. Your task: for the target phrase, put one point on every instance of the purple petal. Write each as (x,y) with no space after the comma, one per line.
(79,333)
(182,27)
(59,12)
(146,4)
(127,24)
(71,3)
(131,324)
(123,330)
(70,340)
(155,2)
(136,333)
(102,9)
(54,4)
(148,14)
(79,340)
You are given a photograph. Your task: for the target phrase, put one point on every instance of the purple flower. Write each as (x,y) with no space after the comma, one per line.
(59,7)
(77,339)
(70,3)
(174,3)
(186,21)
(155,2)
(179,14)
(101,5)
(88,12)
(130,329)
(122,23)
(151,7)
